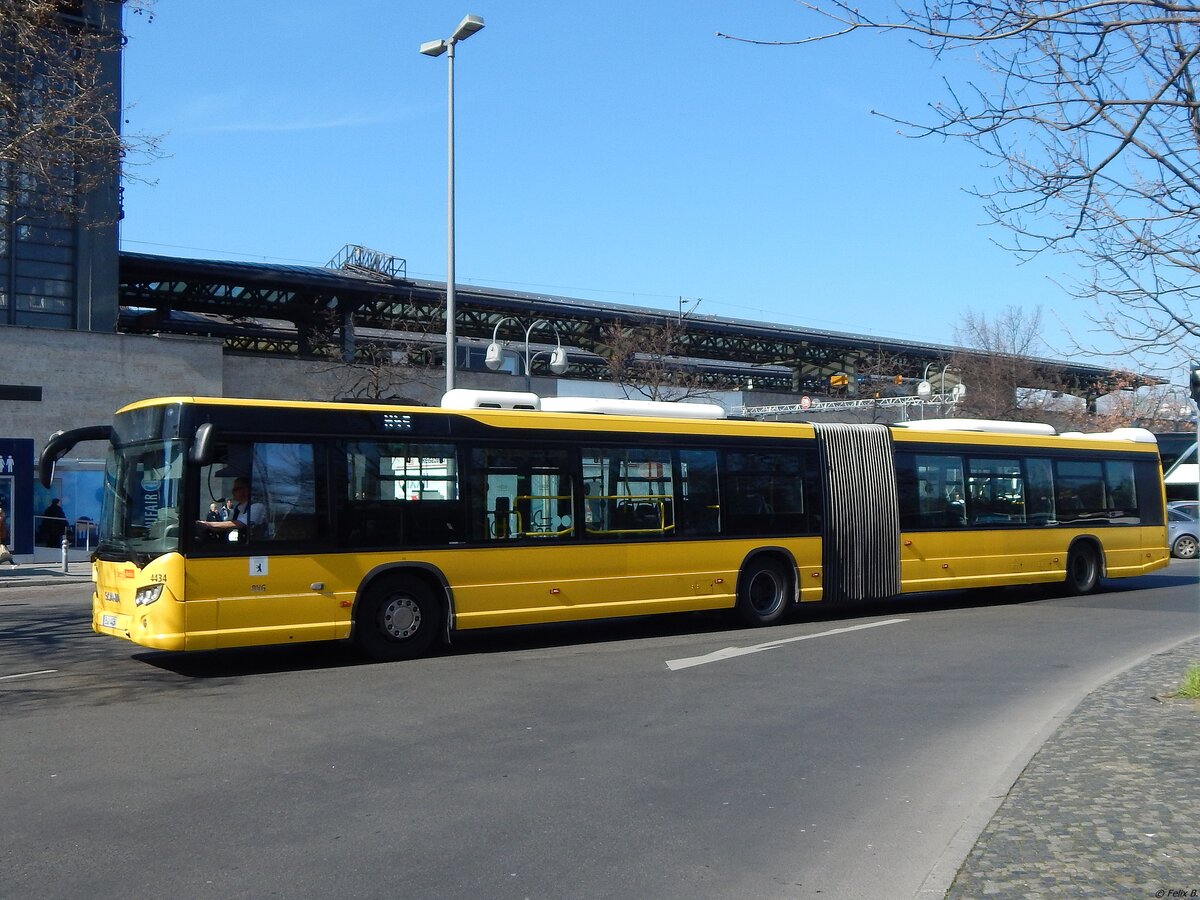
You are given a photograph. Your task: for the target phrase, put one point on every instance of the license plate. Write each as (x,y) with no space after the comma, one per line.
(108,621)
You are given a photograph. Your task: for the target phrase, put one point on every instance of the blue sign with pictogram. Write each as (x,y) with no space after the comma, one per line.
(16,492)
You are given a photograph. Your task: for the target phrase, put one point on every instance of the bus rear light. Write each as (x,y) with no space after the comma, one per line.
(147,595)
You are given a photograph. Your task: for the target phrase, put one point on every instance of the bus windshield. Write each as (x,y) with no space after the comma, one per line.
(140,511)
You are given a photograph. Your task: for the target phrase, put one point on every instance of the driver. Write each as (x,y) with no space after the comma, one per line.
(243,514)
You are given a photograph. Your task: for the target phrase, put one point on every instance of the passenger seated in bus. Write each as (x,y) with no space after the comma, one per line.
(593,509)
(956,509)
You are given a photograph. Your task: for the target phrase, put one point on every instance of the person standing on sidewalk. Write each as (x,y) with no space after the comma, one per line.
(53,524)
(5,554)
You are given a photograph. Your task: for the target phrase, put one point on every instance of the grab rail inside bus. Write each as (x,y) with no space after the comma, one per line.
(60,445)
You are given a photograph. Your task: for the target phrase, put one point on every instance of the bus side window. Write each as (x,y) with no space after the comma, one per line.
(765,493)
(631,491)
(997,489)
(698,493)
(1039,500)
(931,491)
(284,483)
(521,494)
(398,494)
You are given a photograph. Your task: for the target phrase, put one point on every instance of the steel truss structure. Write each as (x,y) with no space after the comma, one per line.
(310,311)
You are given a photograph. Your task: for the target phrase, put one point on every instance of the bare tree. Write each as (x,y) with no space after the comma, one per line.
(1134,404)
(383,364)
(1091,111)
(1000,369)
(882,374)
(651,362)
(1006,380)
(60,136)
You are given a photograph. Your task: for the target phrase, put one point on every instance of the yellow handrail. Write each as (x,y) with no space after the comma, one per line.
(659,501)
(515,516)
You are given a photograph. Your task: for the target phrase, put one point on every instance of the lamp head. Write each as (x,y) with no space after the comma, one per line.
(494,356)
(434,48)
(467,27)
(558,361)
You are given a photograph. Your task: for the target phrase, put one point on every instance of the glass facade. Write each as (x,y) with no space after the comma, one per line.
(58,245)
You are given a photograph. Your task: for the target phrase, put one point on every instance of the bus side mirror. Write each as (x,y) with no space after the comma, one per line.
(202,445)
(61,443)
(1194,379)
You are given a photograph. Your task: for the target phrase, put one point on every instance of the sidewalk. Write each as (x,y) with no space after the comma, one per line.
(1108,806)
(28,572)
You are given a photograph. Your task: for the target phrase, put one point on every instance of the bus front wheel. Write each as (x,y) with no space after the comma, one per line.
(1083,570)
(397,620)
(763,592)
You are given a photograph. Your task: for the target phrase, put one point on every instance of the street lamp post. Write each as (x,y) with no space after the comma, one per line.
(1194,389)
(925,389)
(467,27)
(558,356)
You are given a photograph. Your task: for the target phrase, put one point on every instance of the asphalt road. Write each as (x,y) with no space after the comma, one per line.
(841,754)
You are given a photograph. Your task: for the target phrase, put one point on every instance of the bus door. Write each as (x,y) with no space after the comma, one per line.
(932,493)
(523,503)
(259,561)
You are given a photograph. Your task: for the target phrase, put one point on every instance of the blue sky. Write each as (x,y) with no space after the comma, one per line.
(616,151)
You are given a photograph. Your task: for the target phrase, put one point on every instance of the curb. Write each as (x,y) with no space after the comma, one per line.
(1097,775)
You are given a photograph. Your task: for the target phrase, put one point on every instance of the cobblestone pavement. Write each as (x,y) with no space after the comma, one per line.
(1109,806)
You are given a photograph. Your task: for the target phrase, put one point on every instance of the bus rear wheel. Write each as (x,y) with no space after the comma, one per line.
(1083,570)
(763,593)
(397,620)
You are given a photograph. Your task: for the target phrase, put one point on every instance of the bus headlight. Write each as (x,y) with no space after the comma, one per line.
(147,595)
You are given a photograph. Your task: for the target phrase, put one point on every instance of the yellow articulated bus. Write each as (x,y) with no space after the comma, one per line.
(230,523)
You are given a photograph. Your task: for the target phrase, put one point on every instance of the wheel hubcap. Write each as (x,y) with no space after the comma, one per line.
(1185,548)
(1084,570)
(400,618)
(765,592)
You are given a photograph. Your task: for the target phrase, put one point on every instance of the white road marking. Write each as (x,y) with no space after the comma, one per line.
(730,652)
(28,674)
